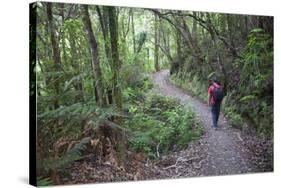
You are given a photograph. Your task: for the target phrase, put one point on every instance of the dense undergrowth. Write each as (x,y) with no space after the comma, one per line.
(158,124)
(161,125)
(153,125)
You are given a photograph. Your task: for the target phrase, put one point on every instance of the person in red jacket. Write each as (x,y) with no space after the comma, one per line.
(215,96)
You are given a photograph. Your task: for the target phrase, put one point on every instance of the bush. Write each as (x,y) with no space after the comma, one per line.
(44,181)
(132,76)
(57,128)
(191,84)
(256,84)
(161,125)
(234,118)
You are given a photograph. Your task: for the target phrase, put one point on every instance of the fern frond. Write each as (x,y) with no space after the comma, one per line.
(44,181)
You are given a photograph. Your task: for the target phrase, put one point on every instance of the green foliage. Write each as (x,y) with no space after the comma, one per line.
(161,125)
(41,181)
(234,118)
(247,98)
(192,84)
(212,75)
(141,142)
(250,83)
(142,36)
(136,84)
(256,86)
(67,158)
(132,75)
(67,123)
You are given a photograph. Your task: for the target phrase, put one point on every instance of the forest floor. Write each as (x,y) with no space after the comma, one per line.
(218,152)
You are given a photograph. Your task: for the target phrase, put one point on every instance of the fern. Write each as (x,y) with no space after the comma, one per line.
(162,124)
(247,98)
(44,181)
(70,156)
(74,153)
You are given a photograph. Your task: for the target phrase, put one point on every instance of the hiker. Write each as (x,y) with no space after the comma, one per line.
(215,96)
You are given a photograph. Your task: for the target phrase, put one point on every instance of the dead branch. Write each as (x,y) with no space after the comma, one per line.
(157,150)
(182,160)
(239,137)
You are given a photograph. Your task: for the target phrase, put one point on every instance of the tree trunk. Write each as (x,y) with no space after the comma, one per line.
(117,95)
(125,27)
(103,19)
(179,60)
(156,42)
(230,24)
(113,28)
(94,56)
(74,63)
(194,38)
(133,30)
(62,33)
(56,52)
(194,28)
(246,27)
(164,35)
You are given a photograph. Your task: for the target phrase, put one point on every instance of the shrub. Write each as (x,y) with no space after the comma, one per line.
(192,84)
(161,125)
(59,127)
(234,118)
(132,76)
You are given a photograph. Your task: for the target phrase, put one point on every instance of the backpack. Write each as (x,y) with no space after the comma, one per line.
(217,94)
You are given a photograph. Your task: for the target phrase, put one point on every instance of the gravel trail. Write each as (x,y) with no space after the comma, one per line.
(219,152)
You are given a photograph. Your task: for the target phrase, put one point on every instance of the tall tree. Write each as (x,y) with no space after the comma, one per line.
(94,57)
(133,30)
(56,51)
(103,19)
(156,43)
(74,60)
(113,28)
(62,11)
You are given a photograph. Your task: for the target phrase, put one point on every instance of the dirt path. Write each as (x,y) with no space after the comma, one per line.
(218,152)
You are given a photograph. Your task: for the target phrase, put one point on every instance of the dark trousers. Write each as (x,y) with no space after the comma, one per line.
(215,110)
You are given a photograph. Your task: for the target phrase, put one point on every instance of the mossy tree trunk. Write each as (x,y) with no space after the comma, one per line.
(113,29)
(156,43)
(94,57)
(56,51)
